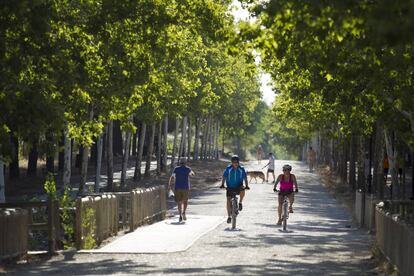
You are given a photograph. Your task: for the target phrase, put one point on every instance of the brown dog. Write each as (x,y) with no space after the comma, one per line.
(255,174)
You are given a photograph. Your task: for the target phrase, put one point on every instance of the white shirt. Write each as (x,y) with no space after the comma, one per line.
(271,162)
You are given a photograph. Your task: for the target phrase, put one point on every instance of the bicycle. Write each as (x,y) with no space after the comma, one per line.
(285,212)
(234,208)
(285,209)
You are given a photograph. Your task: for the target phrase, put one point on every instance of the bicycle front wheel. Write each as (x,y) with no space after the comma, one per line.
(233,213)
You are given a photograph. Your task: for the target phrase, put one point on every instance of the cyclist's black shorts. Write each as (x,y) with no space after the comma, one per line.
(285,192)
(236,190)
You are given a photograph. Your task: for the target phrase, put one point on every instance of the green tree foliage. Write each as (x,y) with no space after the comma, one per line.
(336,65)
(84,63)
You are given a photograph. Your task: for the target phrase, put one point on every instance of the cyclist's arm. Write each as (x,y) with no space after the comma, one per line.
(294,181)
(277,182)
(223,179)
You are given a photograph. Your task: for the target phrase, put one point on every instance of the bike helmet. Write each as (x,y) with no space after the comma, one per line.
(235,158)
(287,167)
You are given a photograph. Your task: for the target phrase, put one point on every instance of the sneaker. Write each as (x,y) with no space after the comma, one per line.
(180,219)
(290,209)
(229,220)
(184,216)
(240,206)
(279,222)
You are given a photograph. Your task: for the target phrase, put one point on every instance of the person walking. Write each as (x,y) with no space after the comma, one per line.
(271,167)
(181,175)
(311,158)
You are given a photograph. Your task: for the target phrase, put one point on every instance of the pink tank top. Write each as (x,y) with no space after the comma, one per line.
(286,185)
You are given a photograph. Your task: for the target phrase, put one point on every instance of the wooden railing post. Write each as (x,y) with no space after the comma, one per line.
(52,225)
(132,211)
(78,224)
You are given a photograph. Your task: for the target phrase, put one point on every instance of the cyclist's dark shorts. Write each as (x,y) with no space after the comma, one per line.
(237,190)
(285,192)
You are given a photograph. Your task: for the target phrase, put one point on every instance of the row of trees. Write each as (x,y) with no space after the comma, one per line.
(70,69)
(344,70)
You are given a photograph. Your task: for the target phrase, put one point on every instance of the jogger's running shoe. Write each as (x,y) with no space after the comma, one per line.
(240,206)
(229,220)
(184,216)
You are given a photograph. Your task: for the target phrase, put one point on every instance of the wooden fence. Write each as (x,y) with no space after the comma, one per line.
(147,205)
(102,216)
(394,237)
(13,232)
(96,218)
(51,224)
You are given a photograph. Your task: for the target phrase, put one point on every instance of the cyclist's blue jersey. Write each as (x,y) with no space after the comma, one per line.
(234,177)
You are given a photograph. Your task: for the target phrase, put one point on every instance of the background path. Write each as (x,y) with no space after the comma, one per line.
(322,240)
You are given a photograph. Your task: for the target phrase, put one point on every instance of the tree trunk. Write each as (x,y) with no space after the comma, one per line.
(177,126)
(210,138)
(117,139)
(125,158)
(32,163)
(378,185)
(138,161)
(61,157)
(110,157)
(216,148)
(392,153)
(183,138)
(2,183)
(204,139)
(84,169)
(134,143)
(99,146)
(361,163)
(189,136)
(14,171)
(150,151)
(159,144)
(196,138)
(165,144)
(352,160)
(67,164)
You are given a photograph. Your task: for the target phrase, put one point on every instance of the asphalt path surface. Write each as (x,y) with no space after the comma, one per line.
(322,240)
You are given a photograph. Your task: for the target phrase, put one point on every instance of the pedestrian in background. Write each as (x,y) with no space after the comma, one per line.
(311,156)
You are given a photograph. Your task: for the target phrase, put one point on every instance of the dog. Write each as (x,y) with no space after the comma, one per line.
(255,174)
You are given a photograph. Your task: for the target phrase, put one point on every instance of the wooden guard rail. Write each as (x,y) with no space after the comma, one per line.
(51,225)
(147,205)
(13,232)
(96,216)
(115,211)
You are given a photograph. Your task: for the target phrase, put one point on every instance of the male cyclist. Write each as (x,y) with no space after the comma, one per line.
(234,175)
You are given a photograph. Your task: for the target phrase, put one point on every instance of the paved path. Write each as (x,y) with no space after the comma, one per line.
(163,237)
(322,240)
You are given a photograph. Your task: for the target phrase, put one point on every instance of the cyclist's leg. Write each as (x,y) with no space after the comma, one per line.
(279,207)
(228,206)
(242,193)
(291,198)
